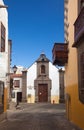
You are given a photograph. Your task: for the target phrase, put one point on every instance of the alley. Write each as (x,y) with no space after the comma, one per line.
(37,117)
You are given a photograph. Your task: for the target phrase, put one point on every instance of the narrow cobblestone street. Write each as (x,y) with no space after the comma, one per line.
(37,117)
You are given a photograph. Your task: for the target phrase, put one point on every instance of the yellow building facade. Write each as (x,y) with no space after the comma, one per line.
(74,106)
(71,55)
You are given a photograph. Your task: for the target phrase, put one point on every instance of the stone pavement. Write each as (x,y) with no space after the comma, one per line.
(37,117)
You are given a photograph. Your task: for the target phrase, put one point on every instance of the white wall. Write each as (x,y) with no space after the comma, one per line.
(31,76)
(15,90)
(54,76)
(4,65)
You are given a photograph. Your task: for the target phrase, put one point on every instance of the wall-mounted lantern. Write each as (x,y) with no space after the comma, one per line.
(14,69)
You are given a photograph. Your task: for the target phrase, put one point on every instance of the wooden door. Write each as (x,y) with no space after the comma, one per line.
(43,92)
(19,96)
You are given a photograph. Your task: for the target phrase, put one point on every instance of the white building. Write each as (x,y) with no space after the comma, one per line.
(42,81)
(19,84)
(4,58)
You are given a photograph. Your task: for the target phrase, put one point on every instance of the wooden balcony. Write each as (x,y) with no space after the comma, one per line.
(79,28)
(60,54)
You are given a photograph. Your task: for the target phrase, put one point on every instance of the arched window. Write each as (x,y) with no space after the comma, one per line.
(42,69)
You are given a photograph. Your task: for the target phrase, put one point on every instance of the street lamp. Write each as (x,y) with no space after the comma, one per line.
(14,69)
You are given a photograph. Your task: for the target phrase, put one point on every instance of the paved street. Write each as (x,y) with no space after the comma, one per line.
(37,117)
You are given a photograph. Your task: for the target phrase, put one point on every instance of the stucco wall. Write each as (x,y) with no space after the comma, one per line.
(54,76)
(72,55)
(31,76)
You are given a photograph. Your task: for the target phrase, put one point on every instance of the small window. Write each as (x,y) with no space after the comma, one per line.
(16,83)
(42,69)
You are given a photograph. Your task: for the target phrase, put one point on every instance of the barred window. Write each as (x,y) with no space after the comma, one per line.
(16,83)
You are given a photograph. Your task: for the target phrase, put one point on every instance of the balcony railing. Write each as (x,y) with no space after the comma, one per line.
(79,28)
(60,54)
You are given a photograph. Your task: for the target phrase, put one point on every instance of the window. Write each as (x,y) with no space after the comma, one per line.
(16,83)
(2,38)
(42,69)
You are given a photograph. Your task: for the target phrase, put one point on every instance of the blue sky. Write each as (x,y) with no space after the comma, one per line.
(34,27)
